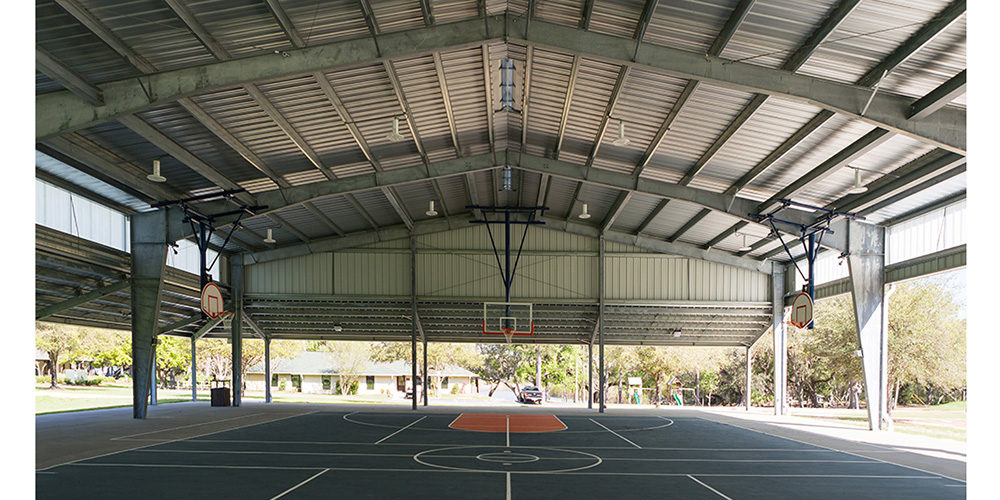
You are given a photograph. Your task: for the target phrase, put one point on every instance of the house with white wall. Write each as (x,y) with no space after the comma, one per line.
(315,372)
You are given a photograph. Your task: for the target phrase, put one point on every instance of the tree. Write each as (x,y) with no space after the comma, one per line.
(350,359)
(215,356)
(173,357)
(501,362)
(56,340)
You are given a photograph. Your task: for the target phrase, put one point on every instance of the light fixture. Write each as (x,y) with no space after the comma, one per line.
(745,247)
(394,135)
(338,328)
(430,210)
(584,215)
(270,238)
(155,176)
(676,333)
(621,140)
(858,188)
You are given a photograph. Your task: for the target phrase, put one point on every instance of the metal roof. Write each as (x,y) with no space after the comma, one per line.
(273,124)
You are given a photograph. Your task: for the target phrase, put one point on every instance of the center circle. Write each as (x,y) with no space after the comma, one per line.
(507,457)
(517,459)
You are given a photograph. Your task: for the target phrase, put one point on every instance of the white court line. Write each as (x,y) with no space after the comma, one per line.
(508,430)
(717,492)
(401,430)
(615,433)
(289,490)
(484,471)
(182,427)
(171,441)
(834,449)
(508,486)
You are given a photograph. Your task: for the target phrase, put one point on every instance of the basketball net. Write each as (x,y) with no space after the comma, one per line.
(508,333)
(227,320)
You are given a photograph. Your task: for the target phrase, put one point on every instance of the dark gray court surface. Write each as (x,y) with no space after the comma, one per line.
(397,455)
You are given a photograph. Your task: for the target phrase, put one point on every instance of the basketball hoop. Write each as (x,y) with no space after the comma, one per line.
(508,333)
(227,320)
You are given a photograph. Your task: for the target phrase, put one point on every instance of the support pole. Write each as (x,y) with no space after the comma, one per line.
(149,255)
(236,288)
(427,378)
(413,314)
(267,369)
(866,263)
(590,375)
(194,370)
(600,323)
(152,378)
(780,337)
(749,377)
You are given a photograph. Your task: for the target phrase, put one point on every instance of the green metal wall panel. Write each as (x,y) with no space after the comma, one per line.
(306,274)
(371,273)
(645,277)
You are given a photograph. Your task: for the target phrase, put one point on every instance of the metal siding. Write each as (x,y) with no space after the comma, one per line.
(645,278)
(711,281)
(371,274)
(306,274)
(937,230)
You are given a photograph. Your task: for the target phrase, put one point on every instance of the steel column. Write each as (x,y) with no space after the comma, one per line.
(600,321)
(780,337)
(194,370)
(749,376)
(267,369)
(866,264)
(426,378)
(590,375)
(413,314)
(149,255)
(152,380)
(236,288)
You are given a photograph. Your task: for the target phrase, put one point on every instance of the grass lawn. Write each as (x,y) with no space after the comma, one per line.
(947,421)
(72,398)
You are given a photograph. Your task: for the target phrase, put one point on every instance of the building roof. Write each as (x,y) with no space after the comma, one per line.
(322,363)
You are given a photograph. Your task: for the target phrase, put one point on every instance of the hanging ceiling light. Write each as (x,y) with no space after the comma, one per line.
(584,215)
(430,210)
(155,176)
(394,135)
(676,333)
(621,140)
(745,247)
(270,238)
(858,188)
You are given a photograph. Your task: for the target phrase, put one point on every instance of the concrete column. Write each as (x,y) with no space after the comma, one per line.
(194,370)
(590,375)
(149,254)
(866,263)
(780,338)
(236,289)
(413,314)
(267,369)
(600,323)
(749,378)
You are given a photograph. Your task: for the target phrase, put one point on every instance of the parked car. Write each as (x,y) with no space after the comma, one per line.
(530,394)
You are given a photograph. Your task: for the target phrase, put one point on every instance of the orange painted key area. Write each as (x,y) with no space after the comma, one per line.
(498,422)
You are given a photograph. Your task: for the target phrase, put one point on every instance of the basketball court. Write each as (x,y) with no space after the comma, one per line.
(454,453)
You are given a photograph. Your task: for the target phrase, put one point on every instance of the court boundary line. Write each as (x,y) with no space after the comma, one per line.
(400,430)
(717,492)
(486,471)
(73,462)
(126,437)
(841,451)
(293,488)
(615,433)
(566,430)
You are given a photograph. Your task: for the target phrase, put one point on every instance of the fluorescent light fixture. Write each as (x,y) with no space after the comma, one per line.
(621,140)
(676,333)
(155,176)
(745,247)
(858,188)
(338,328)
(270,237)
(584,215)
(394,135)
(430,210)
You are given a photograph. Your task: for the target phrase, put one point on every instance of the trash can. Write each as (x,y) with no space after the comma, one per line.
(220,393)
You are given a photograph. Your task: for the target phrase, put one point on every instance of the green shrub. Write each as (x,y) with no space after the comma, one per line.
(43,379)
(281,385)
(454,389)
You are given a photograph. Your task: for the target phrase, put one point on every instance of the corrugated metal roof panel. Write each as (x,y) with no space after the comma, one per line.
(634,212)
(326,21)
(564,12)
(546,98)
(464,72)
(342,213)
(950,187)
(617,18)
(64,171)
(415,196)
(243,27)
(418,78)
(378,207)
(448,11)
(672,218)
(75,46)
(774,29)
(688,24)
(455,197)
(395,15)
(938,61)
(560,198)
(303,220)
(594,83)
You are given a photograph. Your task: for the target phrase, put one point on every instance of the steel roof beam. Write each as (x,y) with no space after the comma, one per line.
(689,224)
(286,23)
(938,98)
(446,97)
(281,222)
(405,106)
(58,112)
(733,23)
(268,107)
(179,324)
(78,11)
(725,234)
(588,11)
(428,12)
(528,59)
(612,102)
(489,100)
(566,105)
(794,62)
(81,299)
(206,38)
(616,210)
(61,74)
(909,173)
(927,184)
(855,150)
(660,207)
